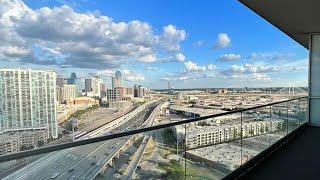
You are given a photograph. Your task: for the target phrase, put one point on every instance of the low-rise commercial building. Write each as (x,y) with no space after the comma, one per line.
(207,135)
(84,101)
(22,140)
(9,144)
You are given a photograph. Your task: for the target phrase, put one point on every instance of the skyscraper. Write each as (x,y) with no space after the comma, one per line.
(117,80)
(135,91)
(60,81)
(103,90)
(73,77)
(88,85)
(96,82)
(28,100)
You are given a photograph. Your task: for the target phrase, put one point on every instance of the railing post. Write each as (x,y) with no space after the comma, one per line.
(241,137)
(288,117)
(185,151)
(299,116)
(270,125)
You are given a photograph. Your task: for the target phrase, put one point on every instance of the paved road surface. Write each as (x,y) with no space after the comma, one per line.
(79,158)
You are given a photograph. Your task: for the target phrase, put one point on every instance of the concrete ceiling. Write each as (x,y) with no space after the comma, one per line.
(296,18)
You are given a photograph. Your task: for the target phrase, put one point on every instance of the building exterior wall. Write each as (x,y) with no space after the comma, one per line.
(28,100)
(96,82)
(211,135)
(69,92)
(88,85)
(9,144)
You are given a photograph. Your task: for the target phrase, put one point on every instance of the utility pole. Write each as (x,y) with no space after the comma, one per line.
(73,122)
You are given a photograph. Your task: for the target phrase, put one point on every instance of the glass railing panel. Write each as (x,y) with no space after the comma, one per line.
(71,163)
(8,169)
(293,115)
(161,155)
(157,154)
(278,122)
(205,149)
(255,132)
(213,147)
(303,105)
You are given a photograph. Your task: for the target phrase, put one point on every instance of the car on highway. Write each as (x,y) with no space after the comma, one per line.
(117,175)
(70,170)
(54,175)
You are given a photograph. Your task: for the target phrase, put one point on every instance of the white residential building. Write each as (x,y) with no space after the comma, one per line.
(69,91)
(28,100)
(207,135)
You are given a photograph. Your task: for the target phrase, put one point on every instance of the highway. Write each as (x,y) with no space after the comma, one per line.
(136,159)
(83,162)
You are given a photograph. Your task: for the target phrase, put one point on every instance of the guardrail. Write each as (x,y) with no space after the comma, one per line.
(47,149)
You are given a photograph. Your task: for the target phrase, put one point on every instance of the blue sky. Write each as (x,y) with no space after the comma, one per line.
(190,43)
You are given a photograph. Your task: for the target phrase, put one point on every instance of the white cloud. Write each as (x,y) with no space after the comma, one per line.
(130,75)
(198,44)
(14,51)
(171,38)
(194,67)
(107,72)
(253,56)
(85,40)
(261,77)
(152,68)
(249,68)
(229,57)
(223,41)
(148,58)
(270,56)
(180,57)
(211,66)
(176,78)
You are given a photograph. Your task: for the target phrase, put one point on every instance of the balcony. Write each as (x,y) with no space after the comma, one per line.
(217,146)
(271,141)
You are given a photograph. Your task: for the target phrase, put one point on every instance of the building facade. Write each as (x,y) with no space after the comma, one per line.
(69,92)
(117,80)
(216,134)
(9,144)
(28,100)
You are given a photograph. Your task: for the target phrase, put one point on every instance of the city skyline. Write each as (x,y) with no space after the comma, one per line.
(219,53)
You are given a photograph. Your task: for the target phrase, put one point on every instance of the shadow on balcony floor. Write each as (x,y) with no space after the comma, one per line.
(298,159)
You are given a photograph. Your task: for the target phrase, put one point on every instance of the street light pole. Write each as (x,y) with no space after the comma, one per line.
(72,133)
(73,122)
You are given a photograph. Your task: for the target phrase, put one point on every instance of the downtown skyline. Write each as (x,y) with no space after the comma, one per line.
(202,45)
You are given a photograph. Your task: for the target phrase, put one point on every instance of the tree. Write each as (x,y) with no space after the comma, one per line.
(40,143)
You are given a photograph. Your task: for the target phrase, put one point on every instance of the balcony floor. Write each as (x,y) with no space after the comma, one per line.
(298,159)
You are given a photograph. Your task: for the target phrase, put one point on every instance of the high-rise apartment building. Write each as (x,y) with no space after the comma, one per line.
(117,80)
(93,86)
(60,81)
(103,90)
(114,94)
(88,85)
(135,90)
(128,92)
(69,91)
(96,82)
(28,100)
(59,94)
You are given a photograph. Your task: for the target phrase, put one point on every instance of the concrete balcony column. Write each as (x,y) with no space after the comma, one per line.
(314,80)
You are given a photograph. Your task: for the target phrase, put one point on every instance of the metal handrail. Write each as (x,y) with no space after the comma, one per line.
(51,148)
